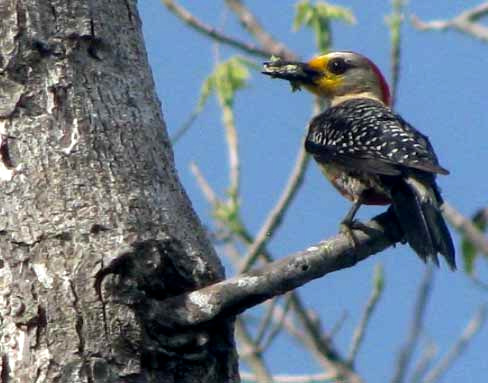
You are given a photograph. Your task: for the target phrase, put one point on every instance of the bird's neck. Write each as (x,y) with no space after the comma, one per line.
(339,99)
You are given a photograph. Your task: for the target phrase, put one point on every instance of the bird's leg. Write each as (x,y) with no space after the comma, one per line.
(347,223)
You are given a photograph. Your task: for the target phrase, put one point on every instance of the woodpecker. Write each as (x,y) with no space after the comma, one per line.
(370,154)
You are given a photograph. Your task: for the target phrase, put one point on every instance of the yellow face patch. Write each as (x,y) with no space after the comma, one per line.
(329,82)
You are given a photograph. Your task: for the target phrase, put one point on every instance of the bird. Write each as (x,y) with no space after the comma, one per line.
(369,153)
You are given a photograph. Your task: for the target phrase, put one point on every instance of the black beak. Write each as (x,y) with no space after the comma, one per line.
(297,73)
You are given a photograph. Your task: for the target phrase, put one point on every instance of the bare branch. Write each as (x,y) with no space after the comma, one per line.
(181,131)
(314,341)
(405,354)
(474,14)
(233,148)
(301,336)
(465,22)
(315,378)
(320,345)
(337,326)
(234,295)
(266,320)
(479,283)
(424,362)
(250,22)
(251,353)
(459,347)
(288,323)
(276,215)
(466,227)
(232,252)
(368,310)
(204,185)
(312,336)
(212,32)
(278,324)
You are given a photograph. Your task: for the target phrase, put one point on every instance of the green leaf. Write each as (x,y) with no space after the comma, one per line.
(303,14)
(469,255)
(205,91)
(226,79)
(230,76)
(228,214)
(335,12)
(468,249)
(318,17)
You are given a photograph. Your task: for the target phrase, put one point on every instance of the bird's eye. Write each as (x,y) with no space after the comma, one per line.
(337,65)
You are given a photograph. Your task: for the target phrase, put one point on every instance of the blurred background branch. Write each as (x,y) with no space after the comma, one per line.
(469,332)
(466,22)
(406,352)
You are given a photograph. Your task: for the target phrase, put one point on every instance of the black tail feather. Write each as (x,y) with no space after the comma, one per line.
(440,233)
(421,220)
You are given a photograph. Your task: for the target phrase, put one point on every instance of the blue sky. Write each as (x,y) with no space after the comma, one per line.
(442,91)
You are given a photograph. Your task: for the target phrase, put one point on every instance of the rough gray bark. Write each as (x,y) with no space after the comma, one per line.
(87,175)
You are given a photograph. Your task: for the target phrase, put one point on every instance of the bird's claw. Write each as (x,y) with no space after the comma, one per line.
(347,228)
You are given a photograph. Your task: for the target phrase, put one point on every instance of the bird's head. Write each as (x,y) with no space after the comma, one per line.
(337,76)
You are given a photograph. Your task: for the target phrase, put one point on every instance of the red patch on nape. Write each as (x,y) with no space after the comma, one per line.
(385,89)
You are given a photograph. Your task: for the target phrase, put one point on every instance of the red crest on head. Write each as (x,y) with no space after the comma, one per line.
(385,89)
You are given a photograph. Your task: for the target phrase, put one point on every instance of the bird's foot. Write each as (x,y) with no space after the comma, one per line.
(347,227)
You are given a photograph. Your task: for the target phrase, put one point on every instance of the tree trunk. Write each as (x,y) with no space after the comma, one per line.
(88,182)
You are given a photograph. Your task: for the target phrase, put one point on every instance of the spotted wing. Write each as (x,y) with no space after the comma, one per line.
(363,134)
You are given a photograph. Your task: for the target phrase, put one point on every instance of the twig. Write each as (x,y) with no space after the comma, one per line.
(276,215)
(318,345)
(233,148)
(368,310)
(395,20)
(459,347)
(314,345)
(204,185)
(216,45)
(466,227)
(465,22)
(321,346)
(232,252)
(278,325)
(479,283)
(250,22)
(235,295)
(408,348)
(266,321)
(288,324)
(211,32)
(424,362)
(180,132)
(315,378)
(314,342)
(338,325)
(252,355)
